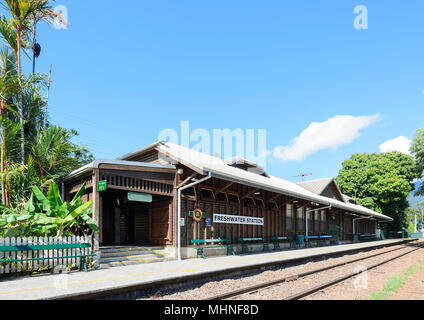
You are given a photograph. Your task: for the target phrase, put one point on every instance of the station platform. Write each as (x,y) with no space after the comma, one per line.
(125,280)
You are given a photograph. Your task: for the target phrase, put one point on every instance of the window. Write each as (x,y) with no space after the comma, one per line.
(308,214)
(301,225)
(249,202)
(221,197)
(206,194)
(260,203)
(189,192)
(233,198)
(323,216)
(289,211)
(300,213)
(317,215)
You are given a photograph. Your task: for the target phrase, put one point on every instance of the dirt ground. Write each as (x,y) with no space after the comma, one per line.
(413,289)
(361,287)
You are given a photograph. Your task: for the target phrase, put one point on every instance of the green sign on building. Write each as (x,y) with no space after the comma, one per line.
(102,186)
(140,197)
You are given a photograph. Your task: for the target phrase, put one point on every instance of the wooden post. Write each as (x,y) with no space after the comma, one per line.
(96,213)
(294,219)
(174,217)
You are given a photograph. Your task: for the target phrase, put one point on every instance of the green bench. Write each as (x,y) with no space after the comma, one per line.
(37,248)
(201,245)
(277,240)
(368,237)
(245,244)
(323,239)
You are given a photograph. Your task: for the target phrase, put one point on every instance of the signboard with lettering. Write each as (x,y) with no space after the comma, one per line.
(227,219)
(102,186)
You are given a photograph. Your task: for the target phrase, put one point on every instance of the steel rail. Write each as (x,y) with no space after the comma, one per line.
(313,290)
(268,284)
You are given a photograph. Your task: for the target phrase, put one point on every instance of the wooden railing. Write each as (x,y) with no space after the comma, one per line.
(137,184)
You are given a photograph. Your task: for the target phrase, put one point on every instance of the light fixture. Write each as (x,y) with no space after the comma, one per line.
(180,171)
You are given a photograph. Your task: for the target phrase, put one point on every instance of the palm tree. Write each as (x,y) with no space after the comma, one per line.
(9,85)
(46,14)
(8,88)
(9,146)
(22,11)
(34,103)
(55,154)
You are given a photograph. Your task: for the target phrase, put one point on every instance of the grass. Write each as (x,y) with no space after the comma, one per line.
(396,282)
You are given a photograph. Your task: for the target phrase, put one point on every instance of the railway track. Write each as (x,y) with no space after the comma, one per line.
(304,293)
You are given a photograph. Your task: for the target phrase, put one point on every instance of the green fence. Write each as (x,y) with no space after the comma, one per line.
(417,235)
(396,234)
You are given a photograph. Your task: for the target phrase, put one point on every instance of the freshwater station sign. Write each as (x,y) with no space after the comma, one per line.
(223,218)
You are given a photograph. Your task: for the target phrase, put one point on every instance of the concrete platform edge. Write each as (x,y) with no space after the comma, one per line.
(115,292)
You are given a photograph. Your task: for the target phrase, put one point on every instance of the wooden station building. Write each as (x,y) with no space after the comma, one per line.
(145,196)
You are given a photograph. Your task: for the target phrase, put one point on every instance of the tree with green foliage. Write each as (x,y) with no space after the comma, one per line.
(416,212)
(417,149)
(381,182)
(42,152)
(21,12)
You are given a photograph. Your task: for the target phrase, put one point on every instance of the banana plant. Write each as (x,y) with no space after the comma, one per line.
(48,215)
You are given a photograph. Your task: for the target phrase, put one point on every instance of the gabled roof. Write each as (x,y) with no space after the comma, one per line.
(247,165)
(320,185)
(218,168)
(316,186)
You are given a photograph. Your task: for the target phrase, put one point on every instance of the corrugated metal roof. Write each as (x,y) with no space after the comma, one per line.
(95,164)
(218,168)
(316,186)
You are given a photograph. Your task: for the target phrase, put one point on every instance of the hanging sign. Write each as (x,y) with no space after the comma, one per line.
(197,215)
(223,218)
(140,197)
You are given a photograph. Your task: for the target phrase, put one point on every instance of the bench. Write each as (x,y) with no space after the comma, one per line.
(368,237)
(201,245)
(245,241)
(37,248)
(322,239)
(277,240)
(307,238)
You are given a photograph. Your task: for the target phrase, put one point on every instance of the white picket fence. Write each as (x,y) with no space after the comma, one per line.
(51,264)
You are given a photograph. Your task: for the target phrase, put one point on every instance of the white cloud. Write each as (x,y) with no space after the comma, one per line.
(401,144)
(332,133)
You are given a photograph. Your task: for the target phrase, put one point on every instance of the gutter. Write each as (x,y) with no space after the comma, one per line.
(97,163)
(315,198)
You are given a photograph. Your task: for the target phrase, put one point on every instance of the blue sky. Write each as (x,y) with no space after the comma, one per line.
(121,74)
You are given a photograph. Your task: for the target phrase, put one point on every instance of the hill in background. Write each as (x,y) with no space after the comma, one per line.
(415,200)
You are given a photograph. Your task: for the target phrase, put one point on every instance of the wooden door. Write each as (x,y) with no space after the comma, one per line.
(159,225)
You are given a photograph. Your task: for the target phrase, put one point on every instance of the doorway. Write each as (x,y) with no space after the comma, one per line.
(133,223)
